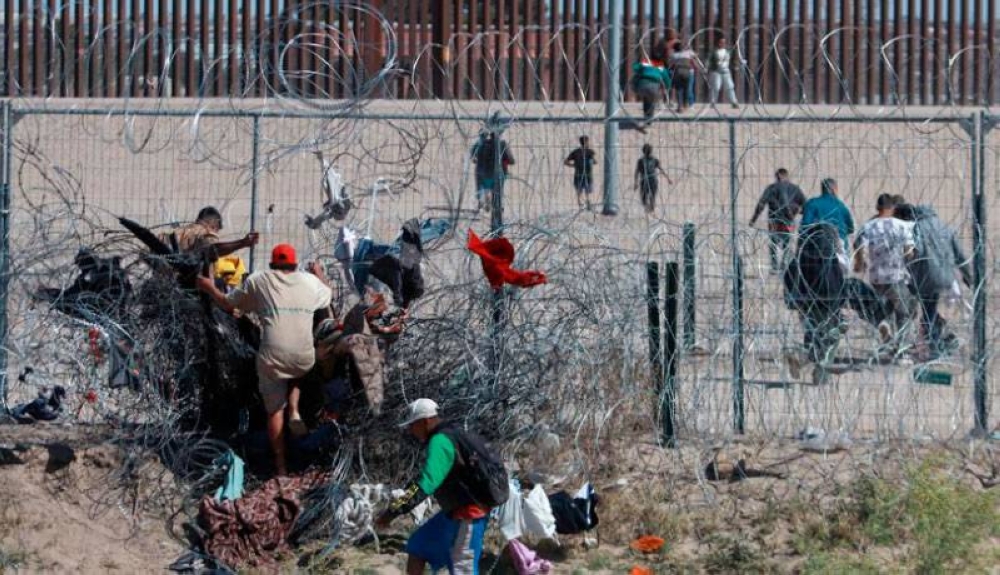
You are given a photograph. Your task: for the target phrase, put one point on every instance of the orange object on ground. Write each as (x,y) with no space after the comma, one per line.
(637,570)
(497,255)
(648,544)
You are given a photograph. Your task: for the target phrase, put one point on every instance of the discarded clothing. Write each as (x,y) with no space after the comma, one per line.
(434,228)
(407,284)
(232,488)
(336,202)
(526,561)
(125,367)
(368,364)
(41,408)
(511,514)
(365,254)
(101,288)
(194,563)
(253,529)
(497,256)
(575,514)
(539,521)
(647,544)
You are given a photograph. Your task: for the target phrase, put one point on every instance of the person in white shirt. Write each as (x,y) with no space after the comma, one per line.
(719,74)
(883,247)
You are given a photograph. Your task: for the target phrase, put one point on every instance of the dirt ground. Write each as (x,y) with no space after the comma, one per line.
(60,515)
(57,516)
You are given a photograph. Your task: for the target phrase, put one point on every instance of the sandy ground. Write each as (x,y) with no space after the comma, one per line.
(60,516)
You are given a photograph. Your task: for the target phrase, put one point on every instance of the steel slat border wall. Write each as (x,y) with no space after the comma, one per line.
(529,49)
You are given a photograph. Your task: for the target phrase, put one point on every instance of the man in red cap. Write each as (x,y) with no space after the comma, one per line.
(285,301)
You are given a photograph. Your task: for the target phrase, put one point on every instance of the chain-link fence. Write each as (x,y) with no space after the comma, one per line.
(70,173)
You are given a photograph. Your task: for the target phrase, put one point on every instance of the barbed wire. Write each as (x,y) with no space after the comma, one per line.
(566,384)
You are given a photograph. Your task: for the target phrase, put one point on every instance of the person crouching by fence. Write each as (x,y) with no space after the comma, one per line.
(467,479)
(285,302)
(815,287)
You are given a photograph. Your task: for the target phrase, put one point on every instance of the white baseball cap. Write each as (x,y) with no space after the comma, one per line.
(422,408)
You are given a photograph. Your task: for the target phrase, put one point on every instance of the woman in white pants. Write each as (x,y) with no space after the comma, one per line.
(719,74)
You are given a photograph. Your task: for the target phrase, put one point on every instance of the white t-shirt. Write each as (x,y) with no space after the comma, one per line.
(720,57)
(886,241)
(284,303)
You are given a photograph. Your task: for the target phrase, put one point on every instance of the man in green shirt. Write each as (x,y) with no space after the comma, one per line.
(453,538)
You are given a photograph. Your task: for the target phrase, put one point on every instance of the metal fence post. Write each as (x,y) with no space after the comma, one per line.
(496,228)
(739,406)
(979,270)
(655,335)
(739,396)
(668,401)
(6,126)
(689,285)
(611,107)
(254,174)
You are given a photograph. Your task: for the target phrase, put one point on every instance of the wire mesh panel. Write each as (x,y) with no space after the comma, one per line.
(991,198)
(75,173)
(926,163)
(73,177)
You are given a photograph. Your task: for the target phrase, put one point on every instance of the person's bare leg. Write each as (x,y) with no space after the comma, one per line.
(293,401)
(415,565)
(276,435)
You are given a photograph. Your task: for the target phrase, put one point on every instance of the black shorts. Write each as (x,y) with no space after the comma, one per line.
(583,184)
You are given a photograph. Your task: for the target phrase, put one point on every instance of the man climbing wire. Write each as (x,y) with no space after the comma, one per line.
(465,478)
(285,301)
(202,235)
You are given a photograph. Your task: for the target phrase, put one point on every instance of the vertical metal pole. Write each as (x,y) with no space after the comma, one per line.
(496,229)
(611,107)
(254,174)
(979,271)
(655,334)
(668,401)
(689,285)
(738,399)
(6,125)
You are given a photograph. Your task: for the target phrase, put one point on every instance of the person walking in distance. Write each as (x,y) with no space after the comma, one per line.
(783,200)
(719,74)
(827,207)
(937,256)
(883,248)
(485,153)
(582,162)
(683,62)
(647,173)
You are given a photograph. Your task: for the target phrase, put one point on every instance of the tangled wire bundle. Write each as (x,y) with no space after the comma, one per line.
(567,363)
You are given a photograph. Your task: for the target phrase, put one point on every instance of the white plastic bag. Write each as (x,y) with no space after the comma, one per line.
(511,514)
(539,522)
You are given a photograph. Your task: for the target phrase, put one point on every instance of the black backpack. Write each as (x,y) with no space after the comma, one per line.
(479,473)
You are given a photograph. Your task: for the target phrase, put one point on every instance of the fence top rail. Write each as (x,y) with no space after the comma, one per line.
(27,110)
